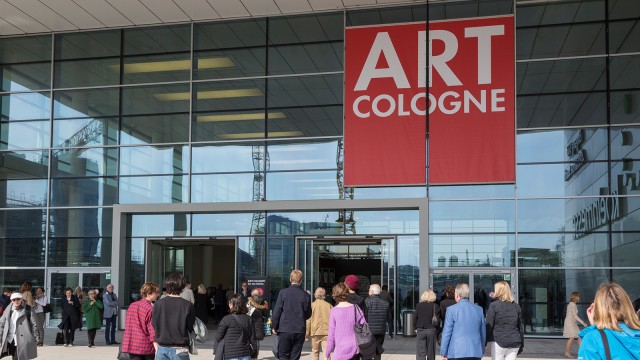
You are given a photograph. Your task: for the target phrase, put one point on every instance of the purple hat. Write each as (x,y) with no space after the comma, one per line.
(352,282)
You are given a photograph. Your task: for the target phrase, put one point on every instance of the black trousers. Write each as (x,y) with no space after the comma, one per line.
(290,346)
(380,341)
(11,349)
(69,332)
(142,357)
(92,336)
(426,344)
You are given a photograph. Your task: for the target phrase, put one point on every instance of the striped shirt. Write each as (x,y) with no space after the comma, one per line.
(139,334)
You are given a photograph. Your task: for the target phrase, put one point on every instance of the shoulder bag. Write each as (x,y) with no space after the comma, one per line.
(200,330)
(364,338)
(46,309)
(434,319)
(605,341)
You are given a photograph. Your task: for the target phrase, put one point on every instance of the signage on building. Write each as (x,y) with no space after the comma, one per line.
(459,75)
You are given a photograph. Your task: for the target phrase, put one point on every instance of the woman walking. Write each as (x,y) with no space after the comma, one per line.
(258,310)
(426,332)
(237,331)
(201,304)
(139,335)
(318,324)
(611,316)
(341,341)
(504,324)
(71,318)
(38,306)
(570,327)
(92,307)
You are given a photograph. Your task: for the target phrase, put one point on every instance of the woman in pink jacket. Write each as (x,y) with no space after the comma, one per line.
(341,342)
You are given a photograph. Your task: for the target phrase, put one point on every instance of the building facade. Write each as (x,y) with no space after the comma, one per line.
(215,148)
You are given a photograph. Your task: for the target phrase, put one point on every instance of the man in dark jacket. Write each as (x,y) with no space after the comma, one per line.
(376,315)
(290,315)
(4,299)
(353,283)
(386,296)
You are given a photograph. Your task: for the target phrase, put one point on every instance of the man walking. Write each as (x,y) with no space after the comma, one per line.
(172,319)
(376,311)
(19,337)
(290,314)
(110,302)
(464,332)
(386,296)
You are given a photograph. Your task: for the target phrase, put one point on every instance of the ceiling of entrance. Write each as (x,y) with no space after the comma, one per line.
(19,17)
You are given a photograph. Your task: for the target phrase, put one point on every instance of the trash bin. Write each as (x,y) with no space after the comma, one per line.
(122,316)
(408,317)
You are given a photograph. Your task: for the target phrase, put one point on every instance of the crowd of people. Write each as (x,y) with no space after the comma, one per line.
(161,326)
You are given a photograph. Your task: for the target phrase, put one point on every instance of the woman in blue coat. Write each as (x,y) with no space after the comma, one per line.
(612,313)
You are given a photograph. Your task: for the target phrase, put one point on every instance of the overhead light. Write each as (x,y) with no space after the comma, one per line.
(212,94)
(174,65)
(261,134)
(240,117)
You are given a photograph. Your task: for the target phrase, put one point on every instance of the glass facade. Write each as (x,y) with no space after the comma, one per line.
(250,110)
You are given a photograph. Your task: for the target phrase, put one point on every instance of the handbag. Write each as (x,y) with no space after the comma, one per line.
(364,338)
(123,355)
(193,349)
(200,331)
(218,350)
(59,338)
(274,347)
(434,319)
(46,309)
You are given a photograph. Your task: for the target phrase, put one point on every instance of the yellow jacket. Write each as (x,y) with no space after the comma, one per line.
(318,323)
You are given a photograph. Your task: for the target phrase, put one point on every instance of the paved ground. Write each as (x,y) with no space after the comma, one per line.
(400,348)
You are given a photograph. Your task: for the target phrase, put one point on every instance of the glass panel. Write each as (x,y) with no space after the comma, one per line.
(24,135)
(160,225)
(628,218)
(483,285)
(154,189)
(22,77)
(303,155)
(85,132)
(230,125)
(440,282)
(557,250)
(24,164)
(471,191)
(25,49)
(306,258)
(84,192)
(625,72)
(160,99)
(305,121)
(629,280)
(85,222)
(389,192)
(305,91)
(623,107)
(624,37)
(79,73)
(582,215)
(231,63)
(175,38)
(470,9)
(79,251)
(84,162)
(144,160)
(228,224)
(158,129)
(306,28)
(250,256)
(471,216)
(82,45)
(562,110)
(382,222)
(136,278)
(156,68)
(23,223)
(306,58)
(566,179)
(229,95)
(306,223)
(226,187)
(544,296)
(226,157)
(230,34)
(486,250)
(559,12)
(13,278)
(408,277)
(623,9)
(25,106)
(625,249)
(95,281)
(623,144)
(390,15)
(544,77)
(22,251)
(562,145)
(86,103)
(280,263)
(59,283)
(560,41)
(23,193)
(308,185)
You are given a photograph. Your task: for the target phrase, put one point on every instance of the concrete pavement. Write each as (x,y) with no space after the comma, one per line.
(400,348)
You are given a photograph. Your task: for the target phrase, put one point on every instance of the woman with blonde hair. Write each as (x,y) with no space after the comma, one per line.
(570,327)
(425,329)
(201,304)
(612,319)
(504,324)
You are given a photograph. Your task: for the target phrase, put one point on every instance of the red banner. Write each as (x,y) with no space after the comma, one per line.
(470,103)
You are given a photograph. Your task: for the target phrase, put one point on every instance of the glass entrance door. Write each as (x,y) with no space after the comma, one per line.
(60,279)
(480,283)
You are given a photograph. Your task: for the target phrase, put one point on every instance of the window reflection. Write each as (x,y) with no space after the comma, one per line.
(561,76)
(230,125)
(25,106)
(560,41)
(85,132)
(571,215)
(157,99)
(94,72)
(86,103)
(226,188)
(85,222)
(480,250)
(84,191)
(230,34)
(229,63)
(154,129)
(250,256)
(22,77)
(153,189)
(562,110)
(307,185)
(79,251)
(471,216)
(23,193)
(563,250)
(156,68)
(307,223)
(160,224)
(624,72)
(84,162)
(143,160)
(554,145)
(305,121)
(226,157)
(563,179)
(24,164)
(302,155)
(24,135)
(228,224)
(382,222)
(305,91)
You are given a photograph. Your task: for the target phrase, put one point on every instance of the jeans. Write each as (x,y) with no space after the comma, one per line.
(500,353)
(426,344)
(169,353)
(239,358)
(110,329)
(40,326)
(290,345)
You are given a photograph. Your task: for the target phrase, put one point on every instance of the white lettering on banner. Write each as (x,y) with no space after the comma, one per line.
(382,45)
(385,105)
(484,35)
(439,63)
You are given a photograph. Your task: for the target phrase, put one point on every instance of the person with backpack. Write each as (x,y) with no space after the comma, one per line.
(19,337)
(237,331)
